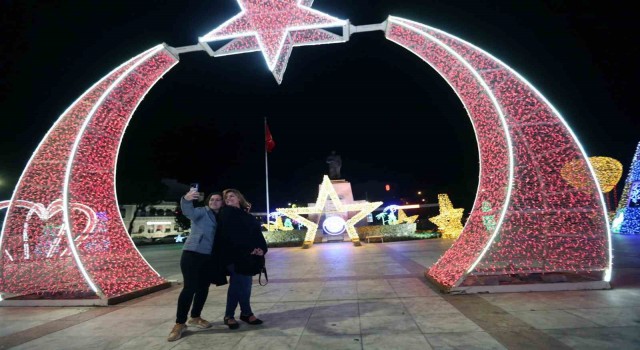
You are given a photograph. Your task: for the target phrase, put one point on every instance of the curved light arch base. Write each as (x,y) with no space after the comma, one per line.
(528,226)
(63,237)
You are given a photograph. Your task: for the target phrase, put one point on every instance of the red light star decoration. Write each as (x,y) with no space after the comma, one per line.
(274,27)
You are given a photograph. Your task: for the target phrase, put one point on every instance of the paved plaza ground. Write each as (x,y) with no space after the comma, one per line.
(336,296)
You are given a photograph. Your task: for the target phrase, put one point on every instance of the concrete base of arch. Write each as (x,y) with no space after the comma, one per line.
(542,287)
(22,301)
(519,288)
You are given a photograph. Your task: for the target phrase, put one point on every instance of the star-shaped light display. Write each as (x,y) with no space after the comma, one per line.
(179,238)
(274,27)
(327,190)
(449,220)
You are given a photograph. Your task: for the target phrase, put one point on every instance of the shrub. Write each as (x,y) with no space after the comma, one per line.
(400,230)
(291,238)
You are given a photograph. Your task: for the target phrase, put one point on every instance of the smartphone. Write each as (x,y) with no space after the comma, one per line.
(195,186)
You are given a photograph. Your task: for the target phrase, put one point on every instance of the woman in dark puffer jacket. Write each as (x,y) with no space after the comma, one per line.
(239,240)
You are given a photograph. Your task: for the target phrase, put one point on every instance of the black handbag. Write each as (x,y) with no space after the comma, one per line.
(257,267)
(250,265)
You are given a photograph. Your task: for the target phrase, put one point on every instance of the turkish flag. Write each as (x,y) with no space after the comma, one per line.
(269,144)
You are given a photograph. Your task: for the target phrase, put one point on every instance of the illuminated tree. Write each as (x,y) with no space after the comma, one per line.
(627,218)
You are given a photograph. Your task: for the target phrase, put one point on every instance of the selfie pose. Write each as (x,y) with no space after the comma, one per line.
(241,248)
(195,262)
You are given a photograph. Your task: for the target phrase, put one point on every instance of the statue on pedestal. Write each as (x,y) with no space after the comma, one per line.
(335,163)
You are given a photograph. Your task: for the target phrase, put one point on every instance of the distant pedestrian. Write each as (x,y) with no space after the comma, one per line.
(195,262)
(239,244)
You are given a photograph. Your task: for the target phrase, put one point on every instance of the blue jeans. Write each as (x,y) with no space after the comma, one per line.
(239,293)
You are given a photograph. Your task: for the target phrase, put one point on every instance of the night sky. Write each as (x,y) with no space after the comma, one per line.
(387,113)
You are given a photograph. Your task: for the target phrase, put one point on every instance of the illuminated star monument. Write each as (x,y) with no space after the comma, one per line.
(320,207)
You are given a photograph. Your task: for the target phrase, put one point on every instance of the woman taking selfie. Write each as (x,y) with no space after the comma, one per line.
(195,262)
(239,241)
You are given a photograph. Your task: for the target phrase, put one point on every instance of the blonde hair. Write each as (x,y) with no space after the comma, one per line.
(243,202)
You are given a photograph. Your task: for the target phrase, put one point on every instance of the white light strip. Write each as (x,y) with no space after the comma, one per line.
(115,193)
(8,255)
(159,222)
(70,161)
(411,206)
(368,28)
(505,127)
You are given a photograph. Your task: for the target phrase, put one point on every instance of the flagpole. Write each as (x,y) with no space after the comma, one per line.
(266,172)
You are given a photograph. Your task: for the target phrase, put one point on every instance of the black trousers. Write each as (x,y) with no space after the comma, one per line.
(194,268)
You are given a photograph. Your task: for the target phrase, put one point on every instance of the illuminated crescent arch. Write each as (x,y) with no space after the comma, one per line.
(77,247)
(540,223)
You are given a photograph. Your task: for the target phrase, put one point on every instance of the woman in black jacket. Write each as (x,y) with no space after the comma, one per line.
(239,240)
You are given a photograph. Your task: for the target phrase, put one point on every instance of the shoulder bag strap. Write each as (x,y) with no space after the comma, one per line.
(266,277)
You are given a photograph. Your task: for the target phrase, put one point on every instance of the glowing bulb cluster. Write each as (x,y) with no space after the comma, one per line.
(274,27)
(608,171)
(327,190)
(63,236)
(532,220)
(403,218)
(627,219)
(450,220)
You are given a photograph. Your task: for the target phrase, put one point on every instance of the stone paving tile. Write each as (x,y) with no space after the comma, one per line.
(329,342)
(16,326)
(141,313)
(610,317)
(421,291)
(518,301)
(552,319)
(617,338)
(335,325)
(388,325)
(419,306)
(446,323)
(381,307)
(72,342)
(276,326)
(222,341)
(338,293)
(109,326)
(395,341)
(38,313)
(334,308)
(147,343)
(310,295)
(463,341)
(298,309)
(266,342)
